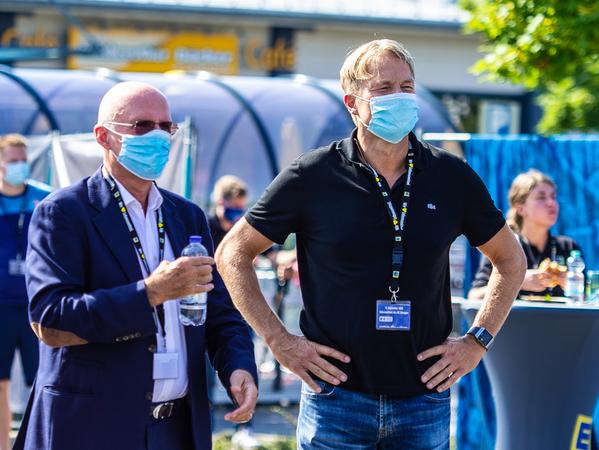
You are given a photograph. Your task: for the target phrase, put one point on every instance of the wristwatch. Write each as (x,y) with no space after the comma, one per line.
(482,336)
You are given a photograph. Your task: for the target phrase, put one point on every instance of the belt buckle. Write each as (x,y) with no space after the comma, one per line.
(163,411)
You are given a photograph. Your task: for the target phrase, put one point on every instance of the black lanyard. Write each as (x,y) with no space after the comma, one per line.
(114,189)
(530,253)
(398,223)
(22,213)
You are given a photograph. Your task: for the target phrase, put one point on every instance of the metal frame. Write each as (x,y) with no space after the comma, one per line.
(35,95)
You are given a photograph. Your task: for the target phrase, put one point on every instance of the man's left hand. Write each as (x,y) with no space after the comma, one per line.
(245,393)
(458,357)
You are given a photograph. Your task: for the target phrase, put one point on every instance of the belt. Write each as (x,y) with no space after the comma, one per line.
(165,410)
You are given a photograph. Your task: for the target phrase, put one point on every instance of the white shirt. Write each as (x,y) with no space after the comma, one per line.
(146,227)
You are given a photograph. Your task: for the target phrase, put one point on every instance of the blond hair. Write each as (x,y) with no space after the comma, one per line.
(228,187)
(12,140)
(361,64)
(520,189)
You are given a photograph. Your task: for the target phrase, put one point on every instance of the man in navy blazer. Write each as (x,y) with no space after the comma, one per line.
(118,371)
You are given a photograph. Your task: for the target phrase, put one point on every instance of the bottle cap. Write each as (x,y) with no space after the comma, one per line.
(575,253)
(195,239)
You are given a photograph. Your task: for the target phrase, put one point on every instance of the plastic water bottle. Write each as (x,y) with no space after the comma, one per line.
(575,277)
(193,308)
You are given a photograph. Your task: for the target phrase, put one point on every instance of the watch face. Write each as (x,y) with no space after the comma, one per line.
(481,335)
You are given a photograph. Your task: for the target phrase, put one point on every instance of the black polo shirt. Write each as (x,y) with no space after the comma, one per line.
(563,246)
(344,243)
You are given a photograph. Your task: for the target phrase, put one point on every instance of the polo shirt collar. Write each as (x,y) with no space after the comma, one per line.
(349,148)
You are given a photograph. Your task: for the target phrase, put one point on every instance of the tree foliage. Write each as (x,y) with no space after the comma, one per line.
(551,46)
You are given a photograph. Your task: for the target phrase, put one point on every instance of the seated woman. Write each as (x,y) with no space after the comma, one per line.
(533,211)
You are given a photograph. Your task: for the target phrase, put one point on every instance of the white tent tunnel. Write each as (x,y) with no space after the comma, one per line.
(246,126)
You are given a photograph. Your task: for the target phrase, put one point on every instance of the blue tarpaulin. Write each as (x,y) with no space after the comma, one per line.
(573,162)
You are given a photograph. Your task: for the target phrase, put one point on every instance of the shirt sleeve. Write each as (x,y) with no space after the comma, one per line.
(483,274)
(481,220)
(278,213)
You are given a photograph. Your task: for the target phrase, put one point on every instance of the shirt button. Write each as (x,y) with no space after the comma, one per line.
(152,348)
(149,396)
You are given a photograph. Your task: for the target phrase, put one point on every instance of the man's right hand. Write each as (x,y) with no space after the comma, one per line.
(184,276)
(303,357)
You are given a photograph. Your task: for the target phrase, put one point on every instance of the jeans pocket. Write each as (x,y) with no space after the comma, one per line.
(326,389)
(438,397)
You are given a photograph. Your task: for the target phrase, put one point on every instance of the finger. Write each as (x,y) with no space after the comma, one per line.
(441,377)
(200,271)
(200,288)
(450,381)
(196,260)
(328,351)
(433,351)
(435,369)
(329,369)
(246,399)
(203,279)
(320,373)
(306,378)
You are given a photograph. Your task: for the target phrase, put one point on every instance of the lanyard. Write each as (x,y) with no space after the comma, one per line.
(22,213)
(398,224)
(530,254)
(114,189)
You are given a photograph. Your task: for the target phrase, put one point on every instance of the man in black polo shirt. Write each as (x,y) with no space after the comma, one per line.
(375,215)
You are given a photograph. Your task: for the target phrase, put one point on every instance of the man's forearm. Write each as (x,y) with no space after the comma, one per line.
(238,273)
(503,287)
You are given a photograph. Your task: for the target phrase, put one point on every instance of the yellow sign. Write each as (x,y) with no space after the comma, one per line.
(581,437)
(11,37)
(132,50)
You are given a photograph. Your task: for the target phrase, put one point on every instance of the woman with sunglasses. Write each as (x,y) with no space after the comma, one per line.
(533,211)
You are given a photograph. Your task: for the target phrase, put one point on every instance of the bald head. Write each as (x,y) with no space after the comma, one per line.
(129,101)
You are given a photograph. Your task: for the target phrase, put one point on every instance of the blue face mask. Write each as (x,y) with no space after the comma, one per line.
(233,214)
(17,172)
(392,116)
(145,156)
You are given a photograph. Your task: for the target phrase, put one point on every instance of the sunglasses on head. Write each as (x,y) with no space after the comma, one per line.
(145,126)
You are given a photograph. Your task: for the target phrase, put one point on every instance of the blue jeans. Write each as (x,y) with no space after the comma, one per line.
(340,419)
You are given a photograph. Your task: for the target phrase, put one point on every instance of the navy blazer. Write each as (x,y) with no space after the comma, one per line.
(86,288)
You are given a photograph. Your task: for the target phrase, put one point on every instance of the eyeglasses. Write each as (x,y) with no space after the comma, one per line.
(145,126)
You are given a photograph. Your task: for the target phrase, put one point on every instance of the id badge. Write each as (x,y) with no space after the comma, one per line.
(166,366)
(16,267)
(393,316)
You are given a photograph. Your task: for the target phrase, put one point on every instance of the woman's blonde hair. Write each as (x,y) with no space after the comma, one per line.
(520,189)
(360,64)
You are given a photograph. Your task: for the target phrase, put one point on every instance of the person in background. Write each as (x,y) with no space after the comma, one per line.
(533,211)
(230,202)
(18,198)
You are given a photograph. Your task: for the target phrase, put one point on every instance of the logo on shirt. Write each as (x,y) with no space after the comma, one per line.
(431,206)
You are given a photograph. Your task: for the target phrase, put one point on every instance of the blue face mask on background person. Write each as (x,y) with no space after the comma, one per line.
(146,155)
(392,116)
(17,172)
(233,214)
